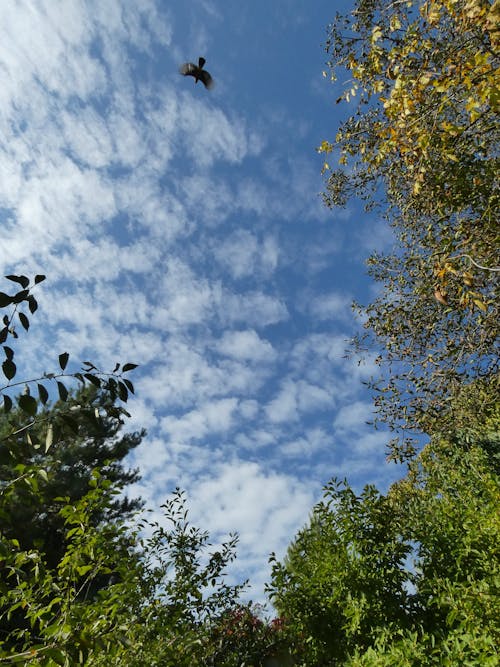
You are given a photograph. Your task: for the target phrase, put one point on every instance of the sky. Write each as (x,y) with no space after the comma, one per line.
(183,230)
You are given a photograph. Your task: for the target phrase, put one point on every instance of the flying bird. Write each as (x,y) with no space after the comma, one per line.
(200,74)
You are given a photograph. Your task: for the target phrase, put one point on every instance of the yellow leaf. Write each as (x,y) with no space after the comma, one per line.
(480,304)
(433,16)
(376,33)
(395,23)
(325,147)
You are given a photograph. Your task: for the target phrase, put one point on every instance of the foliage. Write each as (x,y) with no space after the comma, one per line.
(344,575)
(89,442)
(351,588)
(423,141)
(167,609)
(157,608)
(55,623)
(80,583)
(241,637)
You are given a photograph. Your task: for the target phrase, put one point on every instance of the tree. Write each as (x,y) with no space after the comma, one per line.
(44,617)
(43,583)
(423,144)
(166,609)
(343,577)
(82,581)
(409,578)
(241,636)
(86,430)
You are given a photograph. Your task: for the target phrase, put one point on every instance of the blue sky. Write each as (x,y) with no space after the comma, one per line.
(183,230)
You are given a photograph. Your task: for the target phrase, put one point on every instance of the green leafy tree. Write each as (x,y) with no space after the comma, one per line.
(344,575)
(45,617)
(56,537)
(423,143)
(409,578)
(87,435)
(167,608)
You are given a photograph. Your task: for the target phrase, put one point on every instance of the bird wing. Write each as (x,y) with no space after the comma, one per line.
(188,69)
(206,79)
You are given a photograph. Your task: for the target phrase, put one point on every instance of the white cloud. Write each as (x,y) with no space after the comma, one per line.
(284,408)
(308,445)
(297,398)
(332,306)
(207,419)
(252,308)
(243,255)
(246,345)
(353,417)
(266,508)
(208,135)
(183,375)
(157,213)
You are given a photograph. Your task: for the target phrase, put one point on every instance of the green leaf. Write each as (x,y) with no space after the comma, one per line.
(129,367)
(57,655)
(32,303)
(72,423)
(9,352)
(63,360)
(24,321)
(20,296)
(63,392)
(22,280)
(49,438)
(9,369)
(28,404)
(122,392)
(43,394)
(7,403)
(39,278)
(3,334)
(5,300)
(93,379)
(33,440)
(129,385)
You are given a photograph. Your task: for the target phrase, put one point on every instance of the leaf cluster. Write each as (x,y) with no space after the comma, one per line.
(423,145)
(410,578)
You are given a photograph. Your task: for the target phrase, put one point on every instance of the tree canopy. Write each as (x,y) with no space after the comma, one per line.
(90,441)
(423,145)
(410,577)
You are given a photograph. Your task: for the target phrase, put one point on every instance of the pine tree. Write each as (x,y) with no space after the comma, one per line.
(87,437)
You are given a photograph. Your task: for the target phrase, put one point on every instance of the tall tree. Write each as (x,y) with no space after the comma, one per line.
(406,578)
(87,435)
(423,143)
(61,532)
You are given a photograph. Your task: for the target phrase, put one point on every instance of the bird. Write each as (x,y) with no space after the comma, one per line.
(200,74)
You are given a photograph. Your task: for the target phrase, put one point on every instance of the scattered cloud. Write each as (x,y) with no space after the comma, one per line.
(183,231)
